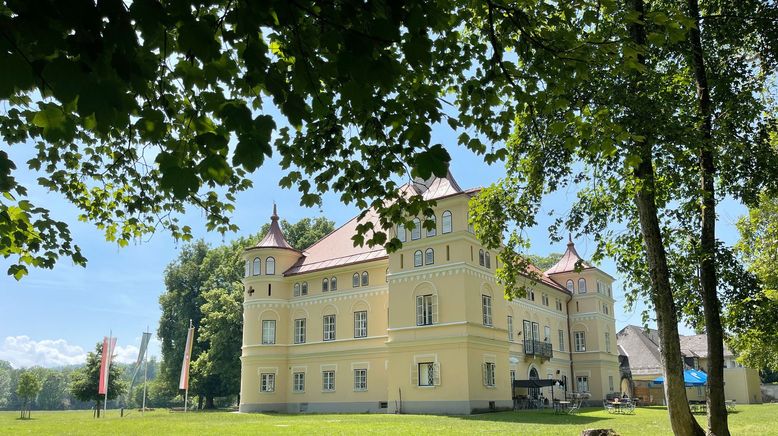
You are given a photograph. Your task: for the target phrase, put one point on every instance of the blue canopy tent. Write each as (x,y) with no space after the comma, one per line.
(691,378)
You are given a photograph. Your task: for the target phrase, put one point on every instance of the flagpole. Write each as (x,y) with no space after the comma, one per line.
(145,375)
(107,371)
(186,393)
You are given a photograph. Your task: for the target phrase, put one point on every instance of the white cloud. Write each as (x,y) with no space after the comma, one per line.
(126,354)
(22,351)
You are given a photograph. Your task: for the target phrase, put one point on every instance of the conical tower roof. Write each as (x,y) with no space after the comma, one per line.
(275,236)
(568,260)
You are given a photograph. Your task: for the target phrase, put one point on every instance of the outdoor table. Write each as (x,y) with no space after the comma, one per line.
(616,406)
(561,406)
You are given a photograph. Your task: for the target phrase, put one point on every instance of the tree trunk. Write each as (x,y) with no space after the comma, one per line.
(199,402)
(717,413)
(209,402)
(681,419)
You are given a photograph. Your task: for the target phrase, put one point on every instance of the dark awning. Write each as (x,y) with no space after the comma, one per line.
(538,383)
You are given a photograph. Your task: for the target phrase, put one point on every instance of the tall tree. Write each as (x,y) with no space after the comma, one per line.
(84,382)
(131,107)
(27,390)
(5,383)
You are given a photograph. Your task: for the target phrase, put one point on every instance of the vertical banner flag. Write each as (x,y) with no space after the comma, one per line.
(105,364)
(184,381)
(144,343)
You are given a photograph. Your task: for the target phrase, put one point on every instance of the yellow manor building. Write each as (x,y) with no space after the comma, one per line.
(426,329)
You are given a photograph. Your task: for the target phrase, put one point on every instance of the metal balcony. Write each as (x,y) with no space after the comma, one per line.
(538,348)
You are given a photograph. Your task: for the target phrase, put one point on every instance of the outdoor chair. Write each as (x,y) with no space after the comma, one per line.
(575,407)
(731,405)
(608,406)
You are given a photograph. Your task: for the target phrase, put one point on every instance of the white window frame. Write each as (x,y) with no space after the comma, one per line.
(582,285)
(257,266)
(328,380)
(270,266)
(416,231)
(268,332)
(360,324)
(365,278)
(418,258)
(510,328)
(426,309)
(328,327)
(325,284)
(489,374)
(547,334)
(360,380)
(267,382)
(582,380)
(334,284)
(434,231)
(297,289)
(298,382)
(429,256)
(571,286)
(486,309)
(561,334)
(304,288)
(401,234)
(429,369)
(355,280)
(580,341)
(299,330)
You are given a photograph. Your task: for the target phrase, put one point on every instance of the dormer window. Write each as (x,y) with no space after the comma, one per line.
(257,263)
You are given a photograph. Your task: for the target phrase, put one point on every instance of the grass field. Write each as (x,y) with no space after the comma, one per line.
(748,420)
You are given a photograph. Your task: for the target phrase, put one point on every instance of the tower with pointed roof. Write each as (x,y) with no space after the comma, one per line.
(592,322)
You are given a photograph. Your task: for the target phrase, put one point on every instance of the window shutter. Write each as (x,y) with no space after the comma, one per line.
(485,371)
(435,309)
(419,310)
(436,374)
(414,374)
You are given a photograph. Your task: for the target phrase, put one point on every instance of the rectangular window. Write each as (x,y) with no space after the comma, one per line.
(582,382)
(268,332)
(486,308)
(298,382)
(547,334)
(561,340)
(328,381)
(267,382)
(299,331)
(360,379)
(580,341)
(360,324)
(607,342)
(329,328)
(610,383)
(426,309)
(510,328)
(535,331)
(489,374)
(427,374)
(544,298)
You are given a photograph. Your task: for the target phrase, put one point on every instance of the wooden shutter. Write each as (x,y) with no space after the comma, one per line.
(435,309)
(436,374)
(420,310)
(414,374)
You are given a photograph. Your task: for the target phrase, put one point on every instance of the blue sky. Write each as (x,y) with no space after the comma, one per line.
(52,317)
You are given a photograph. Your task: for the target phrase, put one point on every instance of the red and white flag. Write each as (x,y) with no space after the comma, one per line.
(109,344)
(184,381)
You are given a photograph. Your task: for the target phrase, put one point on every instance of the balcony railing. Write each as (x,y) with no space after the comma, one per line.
(538,348)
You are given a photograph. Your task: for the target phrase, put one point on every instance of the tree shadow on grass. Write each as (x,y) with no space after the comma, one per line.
(538,417)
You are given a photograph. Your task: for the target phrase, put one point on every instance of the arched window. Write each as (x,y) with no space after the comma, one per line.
(257,262)
(334,284)
(581,286)
(296,289)
(304,289)
(365,278)
(325,285)
(416,232)
(429,256)
(248,269)
(417,258)
(570,286)
(433,231)
(481,260)
(355,280)
(270,266)
(470,227)
(446,224)
(488,260)
(401,232)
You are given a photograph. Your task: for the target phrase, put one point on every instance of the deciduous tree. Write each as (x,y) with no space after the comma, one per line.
(84,382)
(27,390)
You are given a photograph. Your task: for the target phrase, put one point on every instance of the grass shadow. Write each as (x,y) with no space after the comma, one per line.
(538,417)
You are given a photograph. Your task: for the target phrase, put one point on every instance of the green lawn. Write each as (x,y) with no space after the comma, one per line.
(748,420)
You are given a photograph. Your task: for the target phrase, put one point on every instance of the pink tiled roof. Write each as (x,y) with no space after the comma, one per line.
(274,237)
(568,261)
(337,248)
(545,279)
